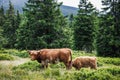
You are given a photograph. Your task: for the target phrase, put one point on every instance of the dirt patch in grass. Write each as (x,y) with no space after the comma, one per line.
(16,62)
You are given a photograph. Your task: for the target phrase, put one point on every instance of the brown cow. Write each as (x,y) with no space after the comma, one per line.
(85,61)
(45,56)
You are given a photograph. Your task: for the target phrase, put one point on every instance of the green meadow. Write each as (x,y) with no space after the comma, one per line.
(16,65)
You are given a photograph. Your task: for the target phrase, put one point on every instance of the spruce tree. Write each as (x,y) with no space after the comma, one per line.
(108,40)
(9,27)
(43,26)
(2,16)
(17,19)
(2,19)
(11,23)
(84,26)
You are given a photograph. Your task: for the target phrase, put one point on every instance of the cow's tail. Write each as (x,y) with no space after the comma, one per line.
(70,59)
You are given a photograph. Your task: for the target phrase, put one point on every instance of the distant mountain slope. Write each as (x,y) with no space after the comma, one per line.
(19,4)
(67,10)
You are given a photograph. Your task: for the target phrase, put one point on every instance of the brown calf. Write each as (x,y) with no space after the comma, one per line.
(84,61)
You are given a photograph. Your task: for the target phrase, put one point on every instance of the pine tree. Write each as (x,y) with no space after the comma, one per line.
(108,40)
(2,19)
(2,16)
(43,26)
(17,19)
(71,19)
(9,27)
(84,26)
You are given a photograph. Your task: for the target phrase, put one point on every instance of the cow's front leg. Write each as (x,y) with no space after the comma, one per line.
(44,64)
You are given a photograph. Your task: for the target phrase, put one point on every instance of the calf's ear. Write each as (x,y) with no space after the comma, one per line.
(40,51)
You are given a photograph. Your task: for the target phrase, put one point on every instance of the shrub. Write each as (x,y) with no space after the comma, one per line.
(113,61)
(29,66)
(15,52)
(113,70)
(57,65)
(6,57)
(52,72)
(101,76)
(20,72)
(22,54)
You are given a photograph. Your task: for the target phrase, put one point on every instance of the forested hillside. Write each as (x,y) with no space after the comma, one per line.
(19,4)
(44,26)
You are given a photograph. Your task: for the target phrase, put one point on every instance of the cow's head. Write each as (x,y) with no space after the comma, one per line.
(33,54)
(74,63)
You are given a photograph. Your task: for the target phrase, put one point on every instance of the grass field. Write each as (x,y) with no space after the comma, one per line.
(20,67)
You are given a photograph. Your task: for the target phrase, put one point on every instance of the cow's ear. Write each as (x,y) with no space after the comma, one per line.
(39,52)
(29,51)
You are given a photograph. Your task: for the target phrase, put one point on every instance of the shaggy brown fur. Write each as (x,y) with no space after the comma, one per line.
(85,61)
(45,56)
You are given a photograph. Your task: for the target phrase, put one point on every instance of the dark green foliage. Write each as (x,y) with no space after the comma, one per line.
(71,21)
(2,20)
(43,26)
(2,39)
(108,40)
(104,38)
(10,25)
(2,16)
(84,26)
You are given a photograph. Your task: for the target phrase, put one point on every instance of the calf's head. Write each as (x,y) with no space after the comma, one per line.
(73,63)
(33,54)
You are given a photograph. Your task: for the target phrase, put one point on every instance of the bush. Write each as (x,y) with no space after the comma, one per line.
(113,61)
(29,66)
(20,72)
(15,52)
(22,54)
(57,65)
(6,57)
(51,73)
